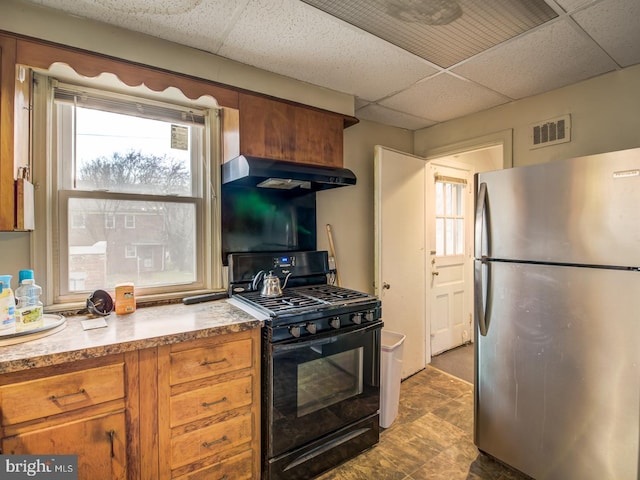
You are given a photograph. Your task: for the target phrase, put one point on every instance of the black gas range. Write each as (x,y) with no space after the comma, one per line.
(320,362)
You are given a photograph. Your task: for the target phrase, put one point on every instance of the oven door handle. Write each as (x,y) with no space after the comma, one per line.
(323,338)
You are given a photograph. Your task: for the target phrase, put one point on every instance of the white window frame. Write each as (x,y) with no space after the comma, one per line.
(50,211)
(130,251)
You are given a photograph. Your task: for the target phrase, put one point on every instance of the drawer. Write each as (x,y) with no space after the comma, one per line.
(202,362)
(212,400)
(239,467)
(210,440)
(61,393)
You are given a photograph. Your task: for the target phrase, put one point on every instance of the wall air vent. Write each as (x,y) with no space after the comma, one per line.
(550,132)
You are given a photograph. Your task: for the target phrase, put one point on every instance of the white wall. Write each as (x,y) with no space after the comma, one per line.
(14,254)
(605,116)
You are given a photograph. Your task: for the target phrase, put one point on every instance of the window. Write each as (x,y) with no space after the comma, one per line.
(133,194)
(129,221)
(449,216)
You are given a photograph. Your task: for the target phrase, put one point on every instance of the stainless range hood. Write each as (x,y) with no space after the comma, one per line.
(248,171)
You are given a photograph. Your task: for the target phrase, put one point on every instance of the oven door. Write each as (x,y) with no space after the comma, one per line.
(320,384)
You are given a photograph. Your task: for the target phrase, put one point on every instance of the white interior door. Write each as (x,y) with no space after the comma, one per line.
(400,276)
(449,236)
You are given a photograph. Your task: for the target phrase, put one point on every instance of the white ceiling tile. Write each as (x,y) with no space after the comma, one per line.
(386,116)
(550,57)
(572,5)
(444,32)
(615,25)
(444,97)
(360,102)
(311,46)
(194,23)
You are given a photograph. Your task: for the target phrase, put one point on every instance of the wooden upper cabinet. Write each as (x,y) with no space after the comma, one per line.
(281,130)
(16,198)
(7,88)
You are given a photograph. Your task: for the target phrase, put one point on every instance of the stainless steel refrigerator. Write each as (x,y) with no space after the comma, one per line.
(557,298)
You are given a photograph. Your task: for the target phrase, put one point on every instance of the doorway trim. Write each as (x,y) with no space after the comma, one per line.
(503,137)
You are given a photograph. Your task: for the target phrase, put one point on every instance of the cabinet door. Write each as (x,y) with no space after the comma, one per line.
(7,86)
(267,128)
(99,442)
(319,137)
(279,130)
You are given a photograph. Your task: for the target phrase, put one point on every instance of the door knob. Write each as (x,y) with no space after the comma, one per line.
(385,286)
(434,273)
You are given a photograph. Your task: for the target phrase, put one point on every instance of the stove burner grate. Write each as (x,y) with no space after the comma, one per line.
(302,299)
(333,294)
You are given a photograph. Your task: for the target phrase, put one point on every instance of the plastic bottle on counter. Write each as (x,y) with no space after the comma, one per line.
(28,305)
(7,306)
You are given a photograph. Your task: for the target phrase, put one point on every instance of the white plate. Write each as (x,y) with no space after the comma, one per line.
(52,323)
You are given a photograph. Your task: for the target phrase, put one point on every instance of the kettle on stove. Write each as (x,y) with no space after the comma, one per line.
(271,285)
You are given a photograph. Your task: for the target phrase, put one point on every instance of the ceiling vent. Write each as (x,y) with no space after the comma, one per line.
(550,132)
(443,32)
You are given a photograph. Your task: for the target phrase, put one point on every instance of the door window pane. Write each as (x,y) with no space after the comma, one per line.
(449,226)
(439,198)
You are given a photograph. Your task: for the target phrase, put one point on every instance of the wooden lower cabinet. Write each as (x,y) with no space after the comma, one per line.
(238,467)
(188,411)
(100,444)
(208,408)
(78,408)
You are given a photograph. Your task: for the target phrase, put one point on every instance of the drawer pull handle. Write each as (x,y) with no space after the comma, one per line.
(215,442)
(213,362)
(56,398)
(208,404)
(111,434)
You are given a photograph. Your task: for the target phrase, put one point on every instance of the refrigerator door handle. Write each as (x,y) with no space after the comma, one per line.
(481,314)
(480,300)
(481,209)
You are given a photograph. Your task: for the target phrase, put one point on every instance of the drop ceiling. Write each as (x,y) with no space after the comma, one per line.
(439,59)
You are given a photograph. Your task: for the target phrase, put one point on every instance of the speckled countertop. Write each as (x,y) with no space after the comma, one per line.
(146,327)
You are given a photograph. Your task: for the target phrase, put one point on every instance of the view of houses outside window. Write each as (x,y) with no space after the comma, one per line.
(128,195)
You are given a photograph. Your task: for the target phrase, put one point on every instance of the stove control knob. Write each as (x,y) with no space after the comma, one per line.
(369,316)
(335,322)
(294,330)
(311,327)
(357,318)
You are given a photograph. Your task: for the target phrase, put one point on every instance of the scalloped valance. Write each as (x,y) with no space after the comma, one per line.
(89,64)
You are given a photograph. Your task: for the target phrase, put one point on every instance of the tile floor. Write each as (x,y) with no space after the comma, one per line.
(432,437)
